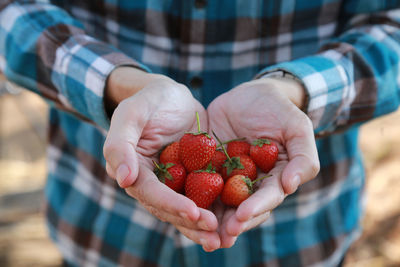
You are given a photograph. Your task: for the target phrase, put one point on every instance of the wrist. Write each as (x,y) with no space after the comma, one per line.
(124,82)
(289,85)
(293,89)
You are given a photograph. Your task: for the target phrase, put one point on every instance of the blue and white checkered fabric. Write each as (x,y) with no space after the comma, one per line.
(345,52)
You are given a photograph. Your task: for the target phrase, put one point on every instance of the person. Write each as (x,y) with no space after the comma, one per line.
(127,77)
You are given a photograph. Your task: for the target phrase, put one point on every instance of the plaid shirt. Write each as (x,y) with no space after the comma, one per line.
(346,54)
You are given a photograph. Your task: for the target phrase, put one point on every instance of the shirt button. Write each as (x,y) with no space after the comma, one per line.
(196,82)
(200,4)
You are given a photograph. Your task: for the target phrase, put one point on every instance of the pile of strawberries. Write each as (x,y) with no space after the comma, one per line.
(194,166)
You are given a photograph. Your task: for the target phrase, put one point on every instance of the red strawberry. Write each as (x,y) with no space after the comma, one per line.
(170,154)
(172,175)
(218,160)
(237,189)
(264,153)
(243,165)
(237,148)
(203,187)
(196,149)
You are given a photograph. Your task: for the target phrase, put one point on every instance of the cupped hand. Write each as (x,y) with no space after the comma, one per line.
(265,108)
(141,125)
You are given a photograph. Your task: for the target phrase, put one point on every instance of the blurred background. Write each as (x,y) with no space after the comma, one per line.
(23,234)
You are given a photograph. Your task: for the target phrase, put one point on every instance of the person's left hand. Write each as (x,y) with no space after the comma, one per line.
(266,108)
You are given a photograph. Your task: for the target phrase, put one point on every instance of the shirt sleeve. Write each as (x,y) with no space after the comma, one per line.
(44,49)
(354,77)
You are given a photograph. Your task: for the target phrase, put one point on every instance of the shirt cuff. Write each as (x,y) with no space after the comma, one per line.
(325,81)
(81,69)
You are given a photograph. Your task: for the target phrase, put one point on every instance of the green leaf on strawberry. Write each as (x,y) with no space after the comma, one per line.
(233,163)
(260,142)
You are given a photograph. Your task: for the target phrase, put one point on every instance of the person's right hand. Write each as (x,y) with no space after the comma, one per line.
(155,115)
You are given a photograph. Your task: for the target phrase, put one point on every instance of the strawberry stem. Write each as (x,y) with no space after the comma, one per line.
(162,172)
(157,166)
(223,148)
(198,128)
(198,121)
(261,178)
(232,140)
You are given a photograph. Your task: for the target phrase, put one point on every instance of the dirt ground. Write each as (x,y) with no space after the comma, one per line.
(23,236)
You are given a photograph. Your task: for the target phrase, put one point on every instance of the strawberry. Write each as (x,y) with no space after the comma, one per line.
(172,175)
(264,153)
(242,164)
(218,160)
(196,149)
(170,154)
(237,148)
(203,187)
(237,189)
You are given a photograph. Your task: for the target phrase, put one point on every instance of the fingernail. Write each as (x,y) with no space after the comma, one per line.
(230,243)
(122,173)
(295,182)
(203,225)
(203,242)
(207,249)
(234,241)
(238,231)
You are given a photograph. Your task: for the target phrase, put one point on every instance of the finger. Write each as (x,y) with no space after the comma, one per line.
(234,227)
(267,197)
(218,208)
(227,240)
(209,240)
(110,171)
(122,161)
(119,147)
(206,221)
(149,191)
(303,156)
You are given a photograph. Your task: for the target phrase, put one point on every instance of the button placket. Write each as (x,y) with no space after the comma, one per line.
(196,82)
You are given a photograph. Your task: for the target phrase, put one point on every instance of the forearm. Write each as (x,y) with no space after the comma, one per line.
(44,49)
(292,89)
(354,77)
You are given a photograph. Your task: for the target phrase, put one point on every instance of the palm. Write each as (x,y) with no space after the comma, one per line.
(153,118)
(174,116)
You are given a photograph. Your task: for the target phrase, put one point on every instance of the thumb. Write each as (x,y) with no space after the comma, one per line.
(120,146)
(303,159)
